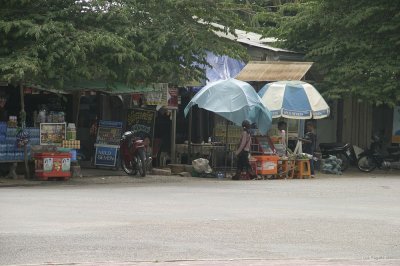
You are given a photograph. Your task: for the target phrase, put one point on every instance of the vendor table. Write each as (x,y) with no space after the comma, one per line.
(207,150)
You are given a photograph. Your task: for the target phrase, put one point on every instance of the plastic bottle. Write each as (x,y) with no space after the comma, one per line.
(71,131)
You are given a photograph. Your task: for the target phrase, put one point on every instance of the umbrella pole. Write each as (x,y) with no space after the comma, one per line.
(287,136)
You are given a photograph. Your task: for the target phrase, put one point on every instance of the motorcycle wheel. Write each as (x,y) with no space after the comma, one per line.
(345,162)
(366,163)
(128,167)
(141,163)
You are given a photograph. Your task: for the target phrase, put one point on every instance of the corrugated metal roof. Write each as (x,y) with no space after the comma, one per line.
(273,71)
(251,38)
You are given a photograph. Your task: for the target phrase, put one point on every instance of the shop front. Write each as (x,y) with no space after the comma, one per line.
(36,128)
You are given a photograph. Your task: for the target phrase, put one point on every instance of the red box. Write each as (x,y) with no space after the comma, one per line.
(267,164)
(48,164)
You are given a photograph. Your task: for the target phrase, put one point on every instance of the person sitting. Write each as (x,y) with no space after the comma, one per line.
(282,133)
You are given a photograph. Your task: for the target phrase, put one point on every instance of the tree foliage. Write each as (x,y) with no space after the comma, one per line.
(355,44)
(130,41)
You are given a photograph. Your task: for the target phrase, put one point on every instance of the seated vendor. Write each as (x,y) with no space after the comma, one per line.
(282,133)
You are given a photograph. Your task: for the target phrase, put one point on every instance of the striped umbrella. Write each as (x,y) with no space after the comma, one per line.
(293,99)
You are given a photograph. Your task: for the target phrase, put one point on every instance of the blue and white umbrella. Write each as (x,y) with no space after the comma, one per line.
(234,100)
(293,99)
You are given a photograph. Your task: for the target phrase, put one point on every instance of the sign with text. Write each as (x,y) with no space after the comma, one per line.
(154,94)
(106,156)
(52,133)
(156,98)
(141,121)
(109,132)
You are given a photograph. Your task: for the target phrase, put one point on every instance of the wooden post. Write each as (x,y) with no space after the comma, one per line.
(76,96)
(23,117)
(173,136)
(226,147)
(190,137)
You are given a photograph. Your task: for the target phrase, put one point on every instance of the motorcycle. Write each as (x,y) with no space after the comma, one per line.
(133,157)
(343,151)
(374,157)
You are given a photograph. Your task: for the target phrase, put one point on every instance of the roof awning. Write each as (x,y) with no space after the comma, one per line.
(273,71)
(114,87)
(102,86)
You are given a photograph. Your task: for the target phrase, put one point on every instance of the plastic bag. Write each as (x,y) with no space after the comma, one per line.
(201,166)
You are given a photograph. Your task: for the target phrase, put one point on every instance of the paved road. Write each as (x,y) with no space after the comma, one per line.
(324,221)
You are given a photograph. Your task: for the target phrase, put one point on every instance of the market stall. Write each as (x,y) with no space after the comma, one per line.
(36,134)
(235,101)
(57,150)
(296,100)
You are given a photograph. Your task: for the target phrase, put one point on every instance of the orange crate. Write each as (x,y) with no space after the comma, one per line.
(267,164)
(49,164)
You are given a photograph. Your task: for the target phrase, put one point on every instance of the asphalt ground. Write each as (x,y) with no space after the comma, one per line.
(111,178)
(108,176)
(233,262)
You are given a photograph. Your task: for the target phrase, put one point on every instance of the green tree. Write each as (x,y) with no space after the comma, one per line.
(257,15)
(354,43)
(130,41)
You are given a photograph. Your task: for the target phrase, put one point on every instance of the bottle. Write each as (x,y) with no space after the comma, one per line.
(209,139)
(71,131)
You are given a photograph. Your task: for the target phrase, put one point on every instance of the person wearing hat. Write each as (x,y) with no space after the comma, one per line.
(243,151)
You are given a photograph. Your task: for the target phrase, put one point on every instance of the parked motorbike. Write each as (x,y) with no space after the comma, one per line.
(376,157)
(133,157)
(343,151)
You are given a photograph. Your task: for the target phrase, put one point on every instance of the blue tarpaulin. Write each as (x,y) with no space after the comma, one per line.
(222,68)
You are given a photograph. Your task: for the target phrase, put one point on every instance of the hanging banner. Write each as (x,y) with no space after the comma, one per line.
(156,98)
(141,121)
(156,94)
(172,98)
(396,125)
